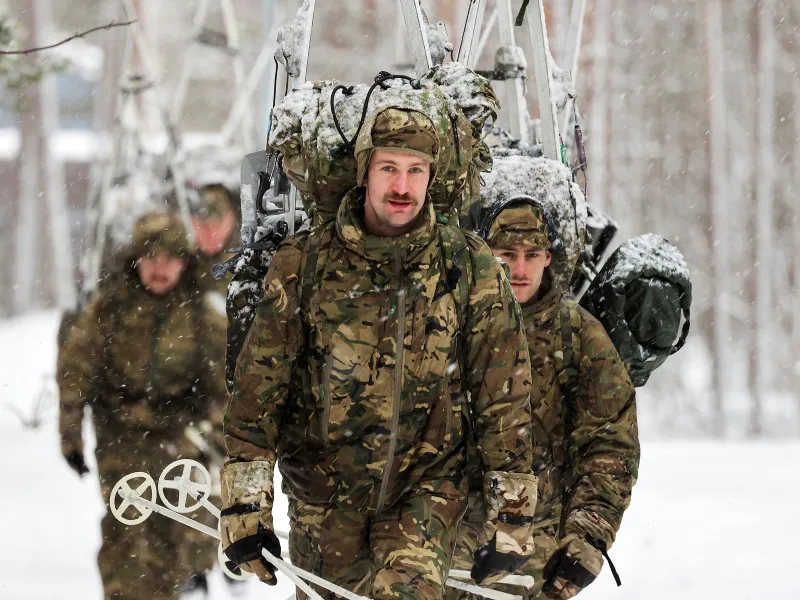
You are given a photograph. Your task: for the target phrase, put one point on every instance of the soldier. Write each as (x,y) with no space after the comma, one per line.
(584,425)
(140,355)
(216,230)
(354,375)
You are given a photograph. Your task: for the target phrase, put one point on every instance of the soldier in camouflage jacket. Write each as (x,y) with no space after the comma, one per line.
(584,417)
(145,356)
(353,378)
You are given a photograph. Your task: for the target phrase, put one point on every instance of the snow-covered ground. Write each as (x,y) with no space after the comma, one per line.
(708,519)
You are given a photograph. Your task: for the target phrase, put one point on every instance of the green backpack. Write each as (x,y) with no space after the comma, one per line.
(316,126)
(639,297)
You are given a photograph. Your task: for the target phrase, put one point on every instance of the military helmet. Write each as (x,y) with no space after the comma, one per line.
(211,201)
(160,232)
(399,130)
(520,220)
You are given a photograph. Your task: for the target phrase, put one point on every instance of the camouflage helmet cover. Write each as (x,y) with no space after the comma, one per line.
(397,130)
(521,223)
(212,201)
(160,232)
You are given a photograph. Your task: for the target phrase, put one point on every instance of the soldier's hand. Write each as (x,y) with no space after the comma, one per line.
(490,565)
(572,567)
(510,500)
(243,549)
(76,463)
(245,523)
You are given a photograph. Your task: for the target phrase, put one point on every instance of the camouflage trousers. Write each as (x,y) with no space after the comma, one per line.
(403,553)
(151,560)
(472,534)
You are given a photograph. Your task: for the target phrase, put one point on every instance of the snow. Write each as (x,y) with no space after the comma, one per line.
(293,38)
(650,252)
(708,519)
(551,184)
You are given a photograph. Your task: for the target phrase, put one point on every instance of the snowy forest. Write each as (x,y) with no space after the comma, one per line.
(690,110)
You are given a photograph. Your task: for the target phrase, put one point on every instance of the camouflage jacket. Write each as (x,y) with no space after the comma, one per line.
(351,372)
(140,360)
(596,458)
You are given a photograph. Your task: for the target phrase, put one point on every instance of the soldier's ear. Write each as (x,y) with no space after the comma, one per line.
(548,257)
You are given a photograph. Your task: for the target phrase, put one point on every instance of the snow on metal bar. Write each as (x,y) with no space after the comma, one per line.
(542,70)
(515,92)
(416,33)
(468,49)
(572,46)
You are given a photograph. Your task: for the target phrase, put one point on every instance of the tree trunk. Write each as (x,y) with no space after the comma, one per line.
(598,117)
(719,210)
(764,207)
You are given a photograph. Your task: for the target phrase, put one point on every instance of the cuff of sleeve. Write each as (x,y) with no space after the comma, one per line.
(70,445)
(510,494)
(590,526)
(247,483)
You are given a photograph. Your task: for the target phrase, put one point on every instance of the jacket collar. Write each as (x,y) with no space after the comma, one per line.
(351,231)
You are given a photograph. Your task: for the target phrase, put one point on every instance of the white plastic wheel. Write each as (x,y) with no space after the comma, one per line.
(170,480)
(224,559)
(119,503)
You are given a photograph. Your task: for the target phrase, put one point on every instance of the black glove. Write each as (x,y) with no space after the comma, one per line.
(488,561)
(247,551)
(76,463)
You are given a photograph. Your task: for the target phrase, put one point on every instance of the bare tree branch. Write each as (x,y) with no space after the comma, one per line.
(77,35)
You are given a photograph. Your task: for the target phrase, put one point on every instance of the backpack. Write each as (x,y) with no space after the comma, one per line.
(639,296)
(316,126)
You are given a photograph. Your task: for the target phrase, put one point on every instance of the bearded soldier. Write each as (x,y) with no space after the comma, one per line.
(145,355)
(584,414)
(383,335)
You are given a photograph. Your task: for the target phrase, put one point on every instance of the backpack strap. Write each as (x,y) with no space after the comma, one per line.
(568,372)
(458,271)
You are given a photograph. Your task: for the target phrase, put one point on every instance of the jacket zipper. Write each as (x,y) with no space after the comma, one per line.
(154,362)
(398,376)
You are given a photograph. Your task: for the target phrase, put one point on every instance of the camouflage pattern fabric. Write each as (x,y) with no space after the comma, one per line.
(159,232)
(397,130)
(402,554)
(519,224)
(351,372)
(148,366)
(590,449)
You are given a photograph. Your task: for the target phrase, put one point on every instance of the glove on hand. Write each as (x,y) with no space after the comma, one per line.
(76,463)
(510,500)
(572,567)
(245,523)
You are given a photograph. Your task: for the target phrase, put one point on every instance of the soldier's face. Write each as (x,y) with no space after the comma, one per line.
(527,266)
(210,233)
(160,272)
(396,187)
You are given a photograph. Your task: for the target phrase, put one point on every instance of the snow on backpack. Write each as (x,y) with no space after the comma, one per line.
(639,297)
(316,126)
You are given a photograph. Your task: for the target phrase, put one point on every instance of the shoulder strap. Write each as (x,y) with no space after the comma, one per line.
(568,372)
(308,266)
(458,269)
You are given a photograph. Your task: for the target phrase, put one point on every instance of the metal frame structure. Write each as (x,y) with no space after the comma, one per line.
(472,46)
